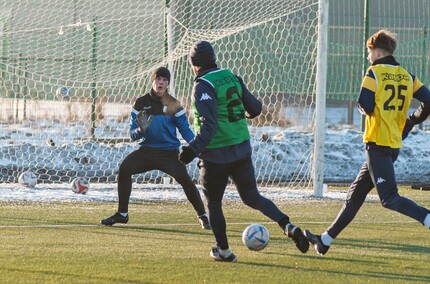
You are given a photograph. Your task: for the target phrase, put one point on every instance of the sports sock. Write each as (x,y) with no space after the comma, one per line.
(326,239)
(289,229)
(123,214)
(225,252)
(283,222)
(427,221)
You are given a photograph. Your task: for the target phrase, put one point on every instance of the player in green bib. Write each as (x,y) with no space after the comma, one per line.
(232,127)
(221,104)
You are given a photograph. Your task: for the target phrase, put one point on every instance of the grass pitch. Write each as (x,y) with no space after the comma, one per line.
(163,243)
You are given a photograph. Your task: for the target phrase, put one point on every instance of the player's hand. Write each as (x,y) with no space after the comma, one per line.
(143,120)
(408,127)
(249,116)
(187,155)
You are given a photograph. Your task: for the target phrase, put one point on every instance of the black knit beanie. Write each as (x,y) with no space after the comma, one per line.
(161,71)
(202,54)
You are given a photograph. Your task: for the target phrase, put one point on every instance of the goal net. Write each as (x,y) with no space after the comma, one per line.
(70,71)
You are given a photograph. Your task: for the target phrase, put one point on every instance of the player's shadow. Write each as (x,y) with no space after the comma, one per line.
(373,275)
(133,229)
(66,275)
(379,245)
(158,229)
(383,245)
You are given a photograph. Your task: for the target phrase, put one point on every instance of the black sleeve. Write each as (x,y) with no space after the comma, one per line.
(204,98)
(423,111)
(366,101)
(252,105)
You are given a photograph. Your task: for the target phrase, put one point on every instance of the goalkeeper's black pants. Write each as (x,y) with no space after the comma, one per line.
(214,178)
(377,170)
(146,159)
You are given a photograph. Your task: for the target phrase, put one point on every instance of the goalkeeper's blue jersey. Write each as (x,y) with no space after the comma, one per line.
(161,133)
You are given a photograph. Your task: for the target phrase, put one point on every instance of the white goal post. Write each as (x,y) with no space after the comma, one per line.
(103,52)
(320,109)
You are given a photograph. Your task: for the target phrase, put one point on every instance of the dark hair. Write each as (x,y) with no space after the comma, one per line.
(384,40)
(161,72)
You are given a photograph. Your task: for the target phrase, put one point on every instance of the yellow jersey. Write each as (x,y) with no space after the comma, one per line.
(393,87)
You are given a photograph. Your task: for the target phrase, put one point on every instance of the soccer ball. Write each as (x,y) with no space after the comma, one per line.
(28,179)
(255,237)
(80,185)
(63,93)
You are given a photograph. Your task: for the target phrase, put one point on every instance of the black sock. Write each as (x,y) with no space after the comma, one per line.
(283,222)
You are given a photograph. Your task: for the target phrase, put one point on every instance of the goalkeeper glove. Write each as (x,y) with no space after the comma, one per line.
(187,155)
(143,121)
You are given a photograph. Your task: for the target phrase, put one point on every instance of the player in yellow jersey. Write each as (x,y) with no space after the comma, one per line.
(386,93)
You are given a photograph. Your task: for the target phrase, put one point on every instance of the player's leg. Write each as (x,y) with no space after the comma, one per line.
(170,164)
(381,166)
(356,196)
(136,162)
(243,176)
(214,178)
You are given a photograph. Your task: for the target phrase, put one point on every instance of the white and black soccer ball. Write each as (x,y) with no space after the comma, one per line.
(256,237)
(28,179)
(80,185)
(63,93)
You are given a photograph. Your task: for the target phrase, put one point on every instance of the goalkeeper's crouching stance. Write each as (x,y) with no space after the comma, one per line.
(154,120)
(221,104)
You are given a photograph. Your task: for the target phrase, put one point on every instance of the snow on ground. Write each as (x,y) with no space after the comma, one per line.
(344,155)
(140,193)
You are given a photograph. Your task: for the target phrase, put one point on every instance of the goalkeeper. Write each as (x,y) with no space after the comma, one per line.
(220,100)
(154,120)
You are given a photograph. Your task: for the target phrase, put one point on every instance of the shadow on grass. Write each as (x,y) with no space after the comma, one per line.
(382,245)
(76,277)
(311,254)
(121,231)
(374,275)
(372,244)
